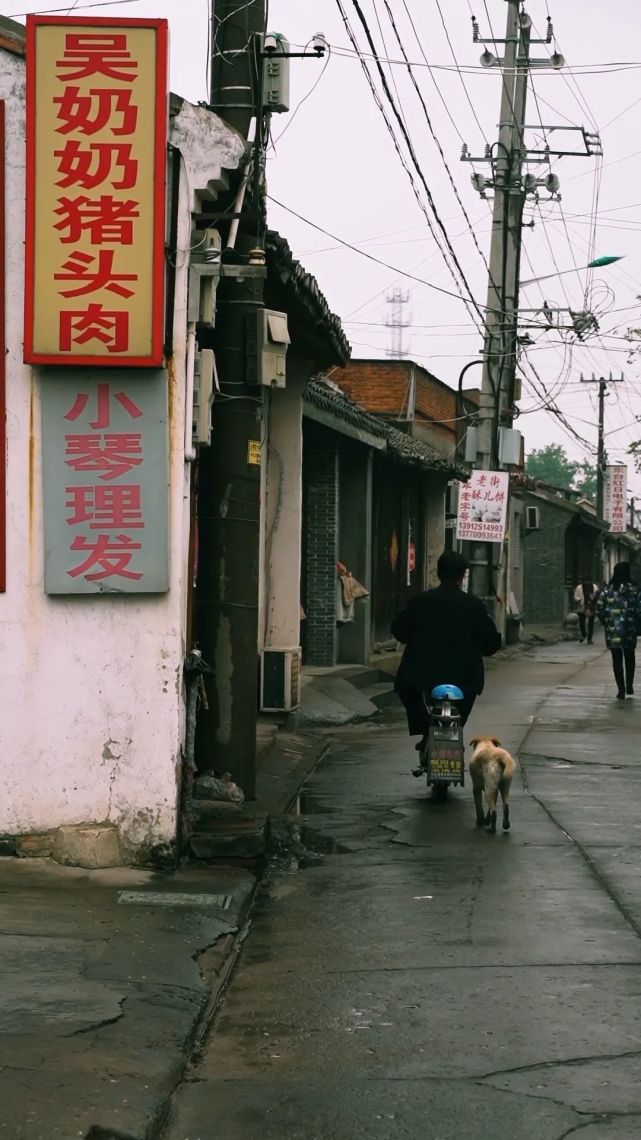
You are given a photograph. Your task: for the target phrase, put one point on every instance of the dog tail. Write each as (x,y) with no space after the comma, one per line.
(508,764)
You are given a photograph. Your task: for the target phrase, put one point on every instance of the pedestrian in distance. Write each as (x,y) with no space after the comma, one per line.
(446,633)
(585,597)
(618,608)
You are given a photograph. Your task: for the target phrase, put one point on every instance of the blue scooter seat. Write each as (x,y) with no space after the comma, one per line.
(447,693)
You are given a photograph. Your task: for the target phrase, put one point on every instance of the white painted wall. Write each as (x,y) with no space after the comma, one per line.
(436,488)
(92,700)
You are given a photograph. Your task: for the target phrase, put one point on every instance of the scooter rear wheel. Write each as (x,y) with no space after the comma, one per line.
(439,791)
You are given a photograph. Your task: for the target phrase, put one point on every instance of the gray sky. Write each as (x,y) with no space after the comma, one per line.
(336,166)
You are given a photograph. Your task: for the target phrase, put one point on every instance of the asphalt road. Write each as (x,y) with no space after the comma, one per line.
(425,979)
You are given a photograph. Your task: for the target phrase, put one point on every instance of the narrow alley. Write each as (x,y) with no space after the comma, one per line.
(421,978)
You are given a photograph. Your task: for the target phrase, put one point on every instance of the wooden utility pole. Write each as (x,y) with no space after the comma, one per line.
(229,471)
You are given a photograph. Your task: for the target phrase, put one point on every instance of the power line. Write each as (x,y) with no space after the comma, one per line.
(456,63)
(617,271)
(76,7)
(552,409)
(551,107)
(470,69)
(410,147)
(368,243)
(621,114)
(370,257)
(391,70)
(304,99)
(395,141)
(434,135)
(567,75)
(615,162)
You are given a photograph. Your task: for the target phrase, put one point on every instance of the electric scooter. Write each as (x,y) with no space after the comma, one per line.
(442,756)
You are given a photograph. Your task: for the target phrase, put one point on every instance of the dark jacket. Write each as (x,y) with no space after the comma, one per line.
(446,634)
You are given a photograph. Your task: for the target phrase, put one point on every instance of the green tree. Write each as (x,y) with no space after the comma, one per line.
(551,464)
(585,480)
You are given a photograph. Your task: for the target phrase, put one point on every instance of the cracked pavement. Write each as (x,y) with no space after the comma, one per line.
(425,979)
(100,1001)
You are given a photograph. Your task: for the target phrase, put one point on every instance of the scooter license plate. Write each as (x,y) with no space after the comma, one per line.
(445,763)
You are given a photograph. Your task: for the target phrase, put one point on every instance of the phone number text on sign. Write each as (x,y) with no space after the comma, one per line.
(482,507)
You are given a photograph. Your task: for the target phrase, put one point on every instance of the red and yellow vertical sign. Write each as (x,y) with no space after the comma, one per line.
(96,154)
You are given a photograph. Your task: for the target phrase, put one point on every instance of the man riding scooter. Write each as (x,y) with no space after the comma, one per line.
(446,633)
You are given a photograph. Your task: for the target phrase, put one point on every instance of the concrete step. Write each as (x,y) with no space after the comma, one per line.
(382,694)
(333,700)
(227,831)
(360,676)
(387,663)
(266,738)
(357,675)
(241,836)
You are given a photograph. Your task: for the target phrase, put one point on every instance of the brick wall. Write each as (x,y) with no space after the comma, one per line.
(437,435)
(435,400)
(380,386)
(544,590)
(384,388)
(320,544)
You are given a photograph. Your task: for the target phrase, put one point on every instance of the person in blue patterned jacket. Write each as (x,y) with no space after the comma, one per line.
(618,608)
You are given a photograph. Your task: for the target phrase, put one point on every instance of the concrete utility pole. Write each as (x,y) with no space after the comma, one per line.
(228,471)
(601,462)
(498,388)
(233,62)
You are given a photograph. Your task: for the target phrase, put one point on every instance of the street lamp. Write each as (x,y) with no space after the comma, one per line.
(598,263)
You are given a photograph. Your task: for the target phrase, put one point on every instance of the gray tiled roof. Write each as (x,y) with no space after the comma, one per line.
(307,291)
(400,447)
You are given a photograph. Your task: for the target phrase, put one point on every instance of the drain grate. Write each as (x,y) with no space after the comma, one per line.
(174,898)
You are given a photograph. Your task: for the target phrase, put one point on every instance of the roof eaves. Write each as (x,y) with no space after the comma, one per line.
(307,290)
(401,447)
(331,400)
(414,451)
(12,36)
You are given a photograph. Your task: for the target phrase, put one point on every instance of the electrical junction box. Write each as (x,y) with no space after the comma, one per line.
(279,679)
(276,75)
(471,444)
(204,274)
(267,341)
(204,383)
(510,442)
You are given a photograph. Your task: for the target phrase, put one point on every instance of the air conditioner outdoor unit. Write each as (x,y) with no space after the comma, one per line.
(532,518)
(279,679)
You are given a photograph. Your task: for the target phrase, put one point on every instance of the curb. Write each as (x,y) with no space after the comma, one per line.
(201,1026)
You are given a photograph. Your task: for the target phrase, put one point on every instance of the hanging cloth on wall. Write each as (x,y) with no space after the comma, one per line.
(348,591)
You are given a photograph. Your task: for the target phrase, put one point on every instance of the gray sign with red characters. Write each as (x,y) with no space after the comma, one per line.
(105,463)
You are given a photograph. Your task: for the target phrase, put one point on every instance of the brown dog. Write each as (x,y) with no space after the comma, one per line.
(491,769)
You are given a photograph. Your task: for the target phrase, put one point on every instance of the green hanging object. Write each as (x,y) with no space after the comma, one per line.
(607,259)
